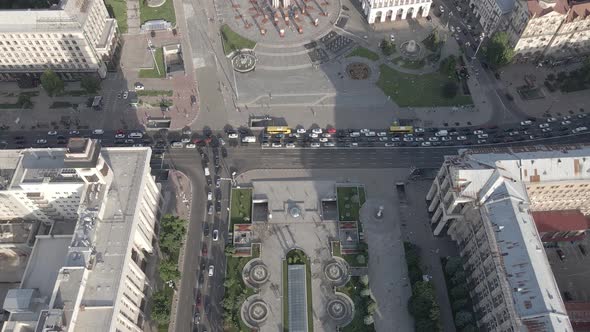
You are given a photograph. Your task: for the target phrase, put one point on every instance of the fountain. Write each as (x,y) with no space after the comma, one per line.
(341,309)
(411,50)
(337,271)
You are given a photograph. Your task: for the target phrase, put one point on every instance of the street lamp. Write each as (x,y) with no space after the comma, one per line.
(481,38)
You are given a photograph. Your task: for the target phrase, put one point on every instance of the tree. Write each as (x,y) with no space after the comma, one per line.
(168,271)
(452,265)
(450,90)
(51,83)
(365,292)
(24,101)
(90,83)
(230,250)
(458,304)
(469,328)
(369,320)
(372,307)
(387,47)
(364,279)
(462,318)
(448,66)
(361,259)
(458,277)
(229,282)
(459,292)
(498,51)
(422,304)
(161,307)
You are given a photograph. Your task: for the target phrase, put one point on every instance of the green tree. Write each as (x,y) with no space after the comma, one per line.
(365,292)
(229,282)
(452,265)
(229,250)
(450,90)
(24,101)
(168,271)
(372,307)
(90,83)
(459,303)
(368,320)
(469,328)
(361,259)
(387,47)
(448,66)
(459,292)
(422,300)
(498,51)
(462,318)
(364,279)
(458,277)
(51,83)
(425,325)
(161,307)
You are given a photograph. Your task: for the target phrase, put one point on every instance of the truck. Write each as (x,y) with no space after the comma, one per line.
(249,139)
(441,133)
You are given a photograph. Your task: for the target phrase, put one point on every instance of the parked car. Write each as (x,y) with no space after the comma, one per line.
(204,250)
(560,254)
(211,270)
(52,133)
(138,86)
(215,235)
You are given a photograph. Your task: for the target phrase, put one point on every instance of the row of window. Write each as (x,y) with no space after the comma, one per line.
(58,66)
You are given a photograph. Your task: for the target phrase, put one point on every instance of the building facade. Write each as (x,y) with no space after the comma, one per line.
(485,200)
(390,10)
(91,278)
(74,38)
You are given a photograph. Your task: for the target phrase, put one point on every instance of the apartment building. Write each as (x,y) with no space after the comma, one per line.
(92,278)
(485,199)
(390,10)
(73,38)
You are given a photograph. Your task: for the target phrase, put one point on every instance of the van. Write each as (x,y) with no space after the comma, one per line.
(249,139)
(207,173)
(135,135)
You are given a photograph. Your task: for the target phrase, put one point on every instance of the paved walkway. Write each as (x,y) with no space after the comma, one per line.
(133,19)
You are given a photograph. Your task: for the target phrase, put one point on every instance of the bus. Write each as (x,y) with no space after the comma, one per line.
(401,129)
(278,130)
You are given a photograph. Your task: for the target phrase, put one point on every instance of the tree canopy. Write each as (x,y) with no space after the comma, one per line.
(498,51)
(90,83)
(52,83)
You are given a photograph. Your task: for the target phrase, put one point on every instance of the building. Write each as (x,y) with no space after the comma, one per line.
(390,10)
(485,199)
(73,38)
(92,276)
(492,14)
(558,226)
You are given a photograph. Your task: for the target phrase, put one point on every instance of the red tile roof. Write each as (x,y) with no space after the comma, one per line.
(579,8)
(560,221)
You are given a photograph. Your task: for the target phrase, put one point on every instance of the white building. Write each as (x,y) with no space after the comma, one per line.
(390,10)
(484,199)
(74,38)
(93,280)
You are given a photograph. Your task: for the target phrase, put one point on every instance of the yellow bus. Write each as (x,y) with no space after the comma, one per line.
(278,130)
(401,129)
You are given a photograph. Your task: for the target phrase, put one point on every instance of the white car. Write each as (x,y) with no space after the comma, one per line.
(461,138)
(74,132)
(418,130)
(370,134)
(323,139)
(41,141)
(458,29)
(211,270)
(433,139)
(419,139)
(98,131)
(543,125)
(446,138)
(426,144)
(215,235)
(329,144)
(395,139)
(139,86)
(567,117)
(481,141)
(315,145)
(546,130)
(458,8)
(477,132)
(52,133)
(441,8)
(392,37)
(382,134)
(526,123)
(383,139)
(551,119)
(513,133)
(326,135)
(579,130)
(566,122)
(363,131)
(469,27)
(482,136)
(317,130)
(301,130)
(136,135)
(408,139)
(314,135)
(191,146)
(209,196)
(119,135)
(290,145)
(232,135)
(277,145)
(452,29)
(125,95)
(355,134)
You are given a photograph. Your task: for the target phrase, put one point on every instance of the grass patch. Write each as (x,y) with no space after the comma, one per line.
(285,296)
(61,104)
(349,202)
(361,306)
(153,72)
(143,93)
(235,294)
(241,207)
(309,296)
(256,250)
(232,41)
(164,12)
(403,89)
(118,10)
(364,53)
(9,106)
(75,93)
(419,64)
(336,251)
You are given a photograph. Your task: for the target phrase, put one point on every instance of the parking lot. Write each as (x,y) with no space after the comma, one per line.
(571,272)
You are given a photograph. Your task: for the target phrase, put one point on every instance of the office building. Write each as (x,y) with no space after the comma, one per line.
(390,10)
(73,38)
(485,199)
(92,275)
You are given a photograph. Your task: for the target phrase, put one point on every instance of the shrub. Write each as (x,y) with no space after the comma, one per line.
(551,77)
(450,90)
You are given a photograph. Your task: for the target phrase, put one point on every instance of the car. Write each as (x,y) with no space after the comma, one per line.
(482,136)
(211,270)
(315,145)
(546,130)
(544,125)
(204,250)
(215,235)
(391,144)
(52,133)
(140,135)
(560,254)
(323,139)
(441,8)
(418,130)
(566,122)
(396,139)
(408,139)
(74,132)
(277,145)
(327,135)
(265,144)
(301,130)
(206,229)
(567,117)
(513,133)
(446,139)
(579,130)
(119,135)
(125,94)
(461,138)
(193,100)
(210,208)
(433,139)
(232,135)
(383,139)
(382,134)
(129,141)
(138,86)
(582,116)
(190,146)
(352,145)
(551,119)
(209,196)
(317,130)
(478,132)
(469,27)
(582,249)
(196,318)
(458,29)
(370,134)
(482,141)
(392,37)
(364,130)
(218,207)
(290,145)
(221,141)
(41,141)
(314,135)
(355,134)
(331,130)
(198,300)
(98,131)
(452,28)
(426,144)
(329,144)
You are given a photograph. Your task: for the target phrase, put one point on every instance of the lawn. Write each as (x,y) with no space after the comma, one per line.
(336,249)
(417,90)
(419,64)
(60,104)
(353,289)
(155,93)
(285,296)
(118,10)
(241,206)
(153,73)
(232,41)
(351,197)
(364,53)
(164,12)
(235,293)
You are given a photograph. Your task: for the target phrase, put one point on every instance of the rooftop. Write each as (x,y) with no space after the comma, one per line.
(560,221)
(68,15)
